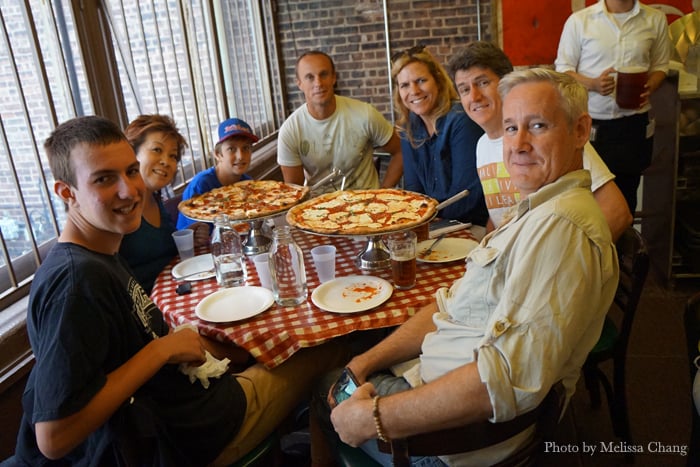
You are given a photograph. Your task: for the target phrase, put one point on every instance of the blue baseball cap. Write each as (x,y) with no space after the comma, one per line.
(235,127)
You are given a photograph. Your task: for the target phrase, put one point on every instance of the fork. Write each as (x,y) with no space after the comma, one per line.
(433,245)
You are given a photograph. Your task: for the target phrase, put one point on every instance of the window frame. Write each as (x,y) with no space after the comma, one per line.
(93,29)
(104,92)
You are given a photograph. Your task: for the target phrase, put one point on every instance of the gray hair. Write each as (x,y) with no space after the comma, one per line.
(573,96)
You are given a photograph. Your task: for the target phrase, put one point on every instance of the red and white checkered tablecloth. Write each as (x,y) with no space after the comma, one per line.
(274,335)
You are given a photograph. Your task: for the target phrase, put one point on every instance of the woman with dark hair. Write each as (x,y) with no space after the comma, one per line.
(438,139)
(158,146)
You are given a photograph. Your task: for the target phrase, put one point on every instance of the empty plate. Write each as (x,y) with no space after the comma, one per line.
(189,268)
(234,304)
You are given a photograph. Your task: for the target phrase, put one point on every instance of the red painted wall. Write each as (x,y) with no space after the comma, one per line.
(531,29)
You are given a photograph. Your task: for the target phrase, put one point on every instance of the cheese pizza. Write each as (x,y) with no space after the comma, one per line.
(244,200)
(363,212)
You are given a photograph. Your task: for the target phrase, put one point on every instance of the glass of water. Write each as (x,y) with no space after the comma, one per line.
(227,250)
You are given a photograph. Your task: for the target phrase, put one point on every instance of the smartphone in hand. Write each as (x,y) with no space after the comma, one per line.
(344,387)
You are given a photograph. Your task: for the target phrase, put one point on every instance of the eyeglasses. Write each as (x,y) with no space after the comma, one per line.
(409,52)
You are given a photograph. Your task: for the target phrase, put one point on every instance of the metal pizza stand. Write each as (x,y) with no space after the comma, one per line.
(375,254)
(257,241)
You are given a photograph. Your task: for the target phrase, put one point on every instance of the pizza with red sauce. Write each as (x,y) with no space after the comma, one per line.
(363,212)
(244,200)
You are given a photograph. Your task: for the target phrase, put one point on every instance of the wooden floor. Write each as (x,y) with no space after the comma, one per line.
(658,388)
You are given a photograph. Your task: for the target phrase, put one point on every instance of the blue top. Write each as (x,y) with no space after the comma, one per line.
(204,181)
(445,164)
(149,249)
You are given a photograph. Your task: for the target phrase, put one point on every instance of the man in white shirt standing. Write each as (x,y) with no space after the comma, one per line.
(334,132)
(595,43)
(476,70)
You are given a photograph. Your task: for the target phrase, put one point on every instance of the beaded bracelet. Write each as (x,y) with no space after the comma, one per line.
(377,421)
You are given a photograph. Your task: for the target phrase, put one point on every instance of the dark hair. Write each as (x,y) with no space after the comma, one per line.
(139,129)
(480,54)
(309,53)
(91,130)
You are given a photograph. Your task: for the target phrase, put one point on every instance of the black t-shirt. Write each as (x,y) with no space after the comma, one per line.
(88,316)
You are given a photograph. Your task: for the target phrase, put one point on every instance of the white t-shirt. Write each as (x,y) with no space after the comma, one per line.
(345,140)
(500,193)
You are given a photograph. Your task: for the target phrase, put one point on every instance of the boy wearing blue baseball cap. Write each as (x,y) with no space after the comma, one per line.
(232,155)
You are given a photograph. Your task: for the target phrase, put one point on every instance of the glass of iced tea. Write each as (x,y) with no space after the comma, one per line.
(630,86)
(402,250)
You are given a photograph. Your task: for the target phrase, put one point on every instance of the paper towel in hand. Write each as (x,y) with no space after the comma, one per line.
(212,368)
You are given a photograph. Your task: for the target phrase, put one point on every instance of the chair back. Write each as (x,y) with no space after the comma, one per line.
(692,334)
(475,436)
(170,206)
(633,259)
(634,267)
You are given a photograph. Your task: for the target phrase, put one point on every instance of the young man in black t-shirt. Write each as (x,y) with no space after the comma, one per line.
(105,389)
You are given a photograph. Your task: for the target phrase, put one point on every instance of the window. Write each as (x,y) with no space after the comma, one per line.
(196,60)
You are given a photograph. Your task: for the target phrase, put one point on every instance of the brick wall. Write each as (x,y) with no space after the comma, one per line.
(353,33)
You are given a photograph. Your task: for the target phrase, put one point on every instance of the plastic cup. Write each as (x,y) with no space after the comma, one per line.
(262,266)
(184,241)
(629,86)
(324,261)
(402,252)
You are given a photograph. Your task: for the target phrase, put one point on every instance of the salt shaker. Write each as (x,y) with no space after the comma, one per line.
(287,269)
(227,250)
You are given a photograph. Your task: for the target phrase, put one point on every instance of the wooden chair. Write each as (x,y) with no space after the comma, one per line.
(479,435)
(471,437)
(612,344)
(692,333)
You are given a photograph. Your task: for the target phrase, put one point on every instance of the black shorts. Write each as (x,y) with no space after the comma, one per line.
(623,144)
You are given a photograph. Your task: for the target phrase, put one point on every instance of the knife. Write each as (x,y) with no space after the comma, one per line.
(192,274)
(433,245)
(452,199)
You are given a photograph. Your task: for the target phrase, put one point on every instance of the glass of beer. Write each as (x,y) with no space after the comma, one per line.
(402,251)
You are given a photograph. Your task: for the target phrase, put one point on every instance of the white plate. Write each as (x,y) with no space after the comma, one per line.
(204,263)
(352,294)
(449,249)
(234,304)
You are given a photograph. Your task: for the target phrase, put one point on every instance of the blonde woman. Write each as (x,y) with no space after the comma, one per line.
(438,139)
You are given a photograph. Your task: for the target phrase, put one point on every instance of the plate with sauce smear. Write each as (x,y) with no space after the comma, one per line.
(449,249)
(352,294)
